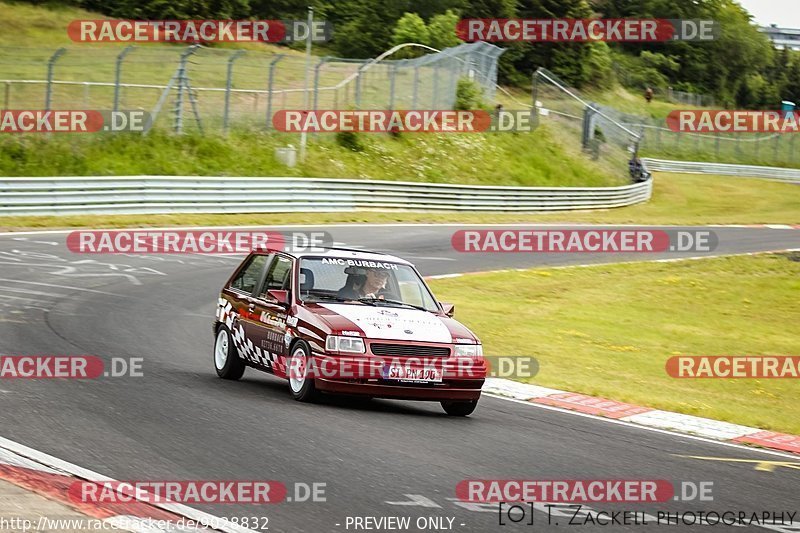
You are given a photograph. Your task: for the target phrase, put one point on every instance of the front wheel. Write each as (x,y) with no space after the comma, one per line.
(301,382)
(226,360)
(459,408)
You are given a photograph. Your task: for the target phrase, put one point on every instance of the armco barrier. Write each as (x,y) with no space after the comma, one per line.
(166,194)
(790,175)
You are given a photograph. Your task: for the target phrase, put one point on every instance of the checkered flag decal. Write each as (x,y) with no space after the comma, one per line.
(244,346)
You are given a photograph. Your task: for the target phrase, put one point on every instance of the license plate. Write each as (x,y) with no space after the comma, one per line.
(400,372)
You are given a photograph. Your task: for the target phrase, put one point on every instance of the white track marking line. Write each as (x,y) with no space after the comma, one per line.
(646,428)
(89,475)
(610,263)
(51,243)
(28,291)
(397,225)
(60,286)
(20,298)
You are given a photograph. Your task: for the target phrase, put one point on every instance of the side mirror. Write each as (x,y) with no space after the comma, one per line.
(449,309)
(281,296)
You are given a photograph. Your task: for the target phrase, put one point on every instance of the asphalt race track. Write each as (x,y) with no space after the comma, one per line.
(377,458)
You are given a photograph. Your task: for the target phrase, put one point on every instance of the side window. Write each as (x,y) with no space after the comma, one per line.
(248,277)
(279,275)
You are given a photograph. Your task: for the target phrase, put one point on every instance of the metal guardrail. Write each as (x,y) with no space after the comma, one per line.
(166,194)
(789,175)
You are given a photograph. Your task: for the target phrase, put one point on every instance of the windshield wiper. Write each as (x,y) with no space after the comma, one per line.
(373,301)
(315,297)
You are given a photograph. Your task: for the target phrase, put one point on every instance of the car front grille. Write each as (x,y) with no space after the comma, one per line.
(408,350)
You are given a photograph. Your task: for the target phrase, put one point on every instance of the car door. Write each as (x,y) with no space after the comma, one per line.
(239,292)
(266,324)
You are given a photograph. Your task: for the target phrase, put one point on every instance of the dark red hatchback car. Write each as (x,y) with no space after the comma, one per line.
(347,322)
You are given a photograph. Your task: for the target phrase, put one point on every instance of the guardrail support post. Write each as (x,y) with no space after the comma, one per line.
(50,64)
(118,75)
(270,87)
(228,84)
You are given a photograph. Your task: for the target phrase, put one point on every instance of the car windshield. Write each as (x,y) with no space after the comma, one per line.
(363,282)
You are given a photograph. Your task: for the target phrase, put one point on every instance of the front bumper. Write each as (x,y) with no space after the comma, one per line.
(407,391)
(362,376)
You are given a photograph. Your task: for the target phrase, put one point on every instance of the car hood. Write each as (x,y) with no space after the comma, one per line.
(393,323)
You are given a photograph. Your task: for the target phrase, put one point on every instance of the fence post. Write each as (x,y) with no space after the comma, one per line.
(392,74)
(358,86)
(182,86)
(7,96)
(435,94)
(777,142)
(118,75)
(269,87)
(589,121)
(452,87)
(415,92)
(50,64)
(228,85)
(316,81)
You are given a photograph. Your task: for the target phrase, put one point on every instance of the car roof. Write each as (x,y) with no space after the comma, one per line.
(349,253)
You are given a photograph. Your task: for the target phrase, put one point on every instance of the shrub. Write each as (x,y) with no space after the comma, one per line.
(350,140)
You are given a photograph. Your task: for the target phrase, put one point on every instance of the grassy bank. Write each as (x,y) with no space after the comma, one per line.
(608,330)
(677,199)
(538,158)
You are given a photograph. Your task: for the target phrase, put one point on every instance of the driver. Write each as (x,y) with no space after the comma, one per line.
(371,285)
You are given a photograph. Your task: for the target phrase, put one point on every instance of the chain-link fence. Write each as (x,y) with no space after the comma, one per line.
(649,137)
(190,86)
(636,82)
(574,119)
(775,149)
(686,98)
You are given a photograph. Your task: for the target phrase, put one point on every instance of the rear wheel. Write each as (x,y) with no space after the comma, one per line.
(301,383)
(226,360)
(459,408)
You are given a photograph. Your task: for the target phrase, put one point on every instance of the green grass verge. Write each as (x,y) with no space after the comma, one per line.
(539,158)
(685,199)
(608,330)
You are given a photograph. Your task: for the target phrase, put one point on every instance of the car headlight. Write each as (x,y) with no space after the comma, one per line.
(336,343)
(469,350)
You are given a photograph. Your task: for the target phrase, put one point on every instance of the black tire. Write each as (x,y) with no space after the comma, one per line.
(459,408)
(226,359)
(302,387)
